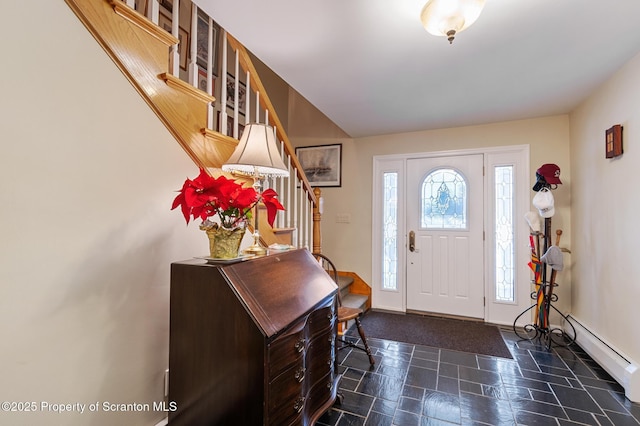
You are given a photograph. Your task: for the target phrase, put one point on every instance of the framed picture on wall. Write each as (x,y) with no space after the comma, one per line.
(322,164)
(166,4)
(613,141)
(202,81)
(164,21)
(242,94)
(229,126)
(202,44)
(183,36)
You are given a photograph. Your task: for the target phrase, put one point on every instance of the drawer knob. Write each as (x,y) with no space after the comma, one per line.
(300,344)
(299,375)
(299,404)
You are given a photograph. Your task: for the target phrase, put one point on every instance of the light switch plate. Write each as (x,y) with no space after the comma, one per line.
(343,218)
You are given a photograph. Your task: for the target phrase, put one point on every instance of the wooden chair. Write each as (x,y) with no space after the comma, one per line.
(345,313)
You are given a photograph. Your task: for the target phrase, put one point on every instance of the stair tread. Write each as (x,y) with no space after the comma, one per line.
(344,281)
(283,230)
(353,300)
(182,85)
(141,21)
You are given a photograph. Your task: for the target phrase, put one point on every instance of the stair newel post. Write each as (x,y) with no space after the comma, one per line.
(317,218)
(174,61)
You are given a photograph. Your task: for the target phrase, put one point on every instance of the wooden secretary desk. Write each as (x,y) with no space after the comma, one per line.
(252,342)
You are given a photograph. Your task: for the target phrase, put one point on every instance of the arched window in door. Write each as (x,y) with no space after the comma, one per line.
(444,200)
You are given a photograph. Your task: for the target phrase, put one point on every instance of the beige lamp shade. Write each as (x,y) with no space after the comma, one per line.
(257,153)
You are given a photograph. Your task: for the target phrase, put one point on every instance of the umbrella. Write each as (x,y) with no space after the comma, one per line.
(536,266)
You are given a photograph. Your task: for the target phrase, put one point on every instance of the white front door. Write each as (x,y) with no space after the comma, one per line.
(445,254)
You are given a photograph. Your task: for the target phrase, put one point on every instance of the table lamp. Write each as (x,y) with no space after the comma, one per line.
(257,156)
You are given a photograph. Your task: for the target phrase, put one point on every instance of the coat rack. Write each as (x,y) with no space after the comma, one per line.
(544,296)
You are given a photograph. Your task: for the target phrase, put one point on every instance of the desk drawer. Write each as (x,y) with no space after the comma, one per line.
(287,350)
(320,393)
(286,396)
(320,357)
(321,320)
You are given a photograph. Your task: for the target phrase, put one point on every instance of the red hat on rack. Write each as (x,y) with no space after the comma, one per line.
(550,173)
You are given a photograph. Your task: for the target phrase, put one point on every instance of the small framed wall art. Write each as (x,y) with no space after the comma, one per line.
(231,94)
(202,43)
(202,81)
(322,164)
(230,123)
(613,141)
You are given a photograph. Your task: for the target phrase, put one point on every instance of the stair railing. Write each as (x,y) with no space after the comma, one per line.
(303,212)
(296,193)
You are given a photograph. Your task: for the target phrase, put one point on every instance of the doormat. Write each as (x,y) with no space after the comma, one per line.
(453,334)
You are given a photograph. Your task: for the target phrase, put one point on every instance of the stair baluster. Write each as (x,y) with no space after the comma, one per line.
(181,107)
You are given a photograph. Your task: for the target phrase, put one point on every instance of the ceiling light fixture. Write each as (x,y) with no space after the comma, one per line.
(449,17)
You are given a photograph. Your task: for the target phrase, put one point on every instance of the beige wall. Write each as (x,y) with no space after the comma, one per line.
(596,206)
(309,126)
(277,89)
(349,244)
(605,207)
(87,177)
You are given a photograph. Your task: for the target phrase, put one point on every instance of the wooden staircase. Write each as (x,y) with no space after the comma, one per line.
(141,50)
(354,292)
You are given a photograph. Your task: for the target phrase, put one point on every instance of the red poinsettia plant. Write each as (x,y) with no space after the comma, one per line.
(206,196)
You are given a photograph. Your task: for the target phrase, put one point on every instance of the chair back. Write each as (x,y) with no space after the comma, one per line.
(330,268)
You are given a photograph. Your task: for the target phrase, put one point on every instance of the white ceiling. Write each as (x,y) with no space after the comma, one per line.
(370,66)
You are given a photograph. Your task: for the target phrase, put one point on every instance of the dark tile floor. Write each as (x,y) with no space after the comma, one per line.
(420,385)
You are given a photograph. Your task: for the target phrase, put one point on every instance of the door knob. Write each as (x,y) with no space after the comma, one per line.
(412,241)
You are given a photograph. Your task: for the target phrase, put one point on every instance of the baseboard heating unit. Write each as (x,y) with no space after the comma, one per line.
(624,370)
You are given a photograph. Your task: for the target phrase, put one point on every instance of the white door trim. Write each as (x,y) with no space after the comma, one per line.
(495,312)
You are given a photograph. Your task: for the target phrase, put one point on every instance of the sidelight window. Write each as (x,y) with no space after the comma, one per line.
(504,229)
(390,231)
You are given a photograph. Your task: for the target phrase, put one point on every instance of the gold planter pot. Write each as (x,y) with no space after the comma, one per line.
(224,243)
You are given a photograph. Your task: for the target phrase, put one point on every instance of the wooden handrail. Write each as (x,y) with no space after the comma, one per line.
(139,48)
(255,82)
